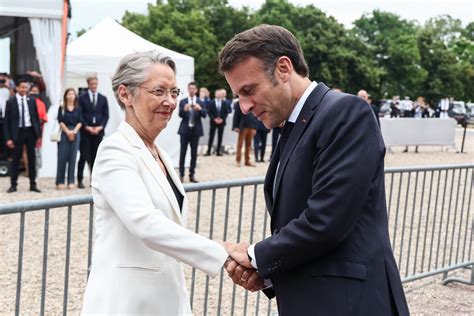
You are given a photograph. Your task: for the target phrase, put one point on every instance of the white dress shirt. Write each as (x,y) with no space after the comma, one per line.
(91,96)
(27,110)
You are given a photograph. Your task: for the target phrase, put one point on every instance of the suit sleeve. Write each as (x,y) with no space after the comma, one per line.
(236,119)
(105,112)
(203,109)
(182,113)
(81,106)
(132,204)
(349,153)
(7,121)
(211,112)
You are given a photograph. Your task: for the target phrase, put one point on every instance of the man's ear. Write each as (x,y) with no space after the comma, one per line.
(284,68)
(124,95)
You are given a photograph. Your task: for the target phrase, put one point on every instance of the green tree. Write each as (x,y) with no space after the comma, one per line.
(393,43)
(183,27)
(445,57)
(334,56)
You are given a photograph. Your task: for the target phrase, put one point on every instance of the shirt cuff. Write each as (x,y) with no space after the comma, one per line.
(251,253)
(268,284)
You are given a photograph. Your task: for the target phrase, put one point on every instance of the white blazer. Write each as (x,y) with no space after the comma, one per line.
(140,236)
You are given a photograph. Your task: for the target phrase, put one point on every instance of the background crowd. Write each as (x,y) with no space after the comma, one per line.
(81,120)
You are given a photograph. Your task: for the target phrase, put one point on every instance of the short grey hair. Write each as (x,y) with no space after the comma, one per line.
(132,70)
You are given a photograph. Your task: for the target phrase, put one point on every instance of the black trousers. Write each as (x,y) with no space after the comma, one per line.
(26,136)
(260,144)
(192,140)
(88,148)
(212,132)
(4,150)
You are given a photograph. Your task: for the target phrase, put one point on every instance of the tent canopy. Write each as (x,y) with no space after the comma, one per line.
(52,9)
(101,48)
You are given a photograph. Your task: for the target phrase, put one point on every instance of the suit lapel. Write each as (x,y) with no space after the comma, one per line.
(174,177)
(303,120)
(270,178)
(151,164)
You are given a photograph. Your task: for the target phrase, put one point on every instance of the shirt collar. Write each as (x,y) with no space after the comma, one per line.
(301,102)
(19,97)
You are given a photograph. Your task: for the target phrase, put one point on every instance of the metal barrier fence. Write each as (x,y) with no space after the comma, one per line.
(430,220)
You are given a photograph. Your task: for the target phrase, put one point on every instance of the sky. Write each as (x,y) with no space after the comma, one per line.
(345,11)
(87,13)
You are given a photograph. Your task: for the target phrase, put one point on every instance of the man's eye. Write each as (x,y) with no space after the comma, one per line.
(248,91)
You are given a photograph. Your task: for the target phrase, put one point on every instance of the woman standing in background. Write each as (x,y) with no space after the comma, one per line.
(70,121)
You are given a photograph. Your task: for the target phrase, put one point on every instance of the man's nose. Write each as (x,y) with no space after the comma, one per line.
(246,105)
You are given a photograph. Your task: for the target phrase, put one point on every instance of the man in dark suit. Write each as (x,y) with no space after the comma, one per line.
(218,111)
(191,110)
(21,126)
(95,113)
(329,252)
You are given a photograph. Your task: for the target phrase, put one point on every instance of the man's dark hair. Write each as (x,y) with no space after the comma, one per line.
(21,80)
(267,43)
(192,83)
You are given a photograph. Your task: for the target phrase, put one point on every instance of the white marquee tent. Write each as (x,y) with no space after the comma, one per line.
(45,20)
(99,50)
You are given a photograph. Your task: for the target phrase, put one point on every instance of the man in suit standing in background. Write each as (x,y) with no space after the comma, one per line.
(191,110)
(21,126)
(95,112)
(329,252)
(218,111)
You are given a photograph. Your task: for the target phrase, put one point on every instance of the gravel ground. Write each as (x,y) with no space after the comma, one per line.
(425,297)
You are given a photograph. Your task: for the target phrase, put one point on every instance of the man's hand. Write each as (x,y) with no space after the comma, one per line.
(197,107)
(239,253)
(237,130)
(97,129)
(247,278)
(186,107)
(10,144)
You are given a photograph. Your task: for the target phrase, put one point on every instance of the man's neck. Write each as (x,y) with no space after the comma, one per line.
(300,85)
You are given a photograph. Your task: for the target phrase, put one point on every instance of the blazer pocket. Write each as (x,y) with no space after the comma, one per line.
(139,268)
(340,268)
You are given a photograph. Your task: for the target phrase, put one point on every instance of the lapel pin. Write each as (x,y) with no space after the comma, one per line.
(304,120)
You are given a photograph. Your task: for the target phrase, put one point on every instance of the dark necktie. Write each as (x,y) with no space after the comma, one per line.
(22,112)
(191,112)
(93,101)
(285,133)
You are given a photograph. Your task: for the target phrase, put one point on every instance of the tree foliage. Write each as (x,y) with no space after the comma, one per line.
(382,53)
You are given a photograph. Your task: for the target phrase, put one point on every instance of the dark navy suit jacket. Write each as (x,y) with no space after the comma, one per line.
(11,120)
(223,113)
(329,253)
(184,126)
(101,112)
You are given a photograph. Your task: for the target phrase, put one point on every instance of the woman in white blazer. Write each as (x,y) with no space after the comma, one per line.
(140,204)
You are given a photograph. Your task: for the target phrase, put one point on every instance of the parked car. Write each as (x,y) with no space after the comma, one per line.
(470,112)
(384,109)
(458,112)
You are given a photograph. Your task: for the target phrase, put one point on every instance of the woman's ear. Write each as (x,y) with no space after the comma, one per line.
(124,95)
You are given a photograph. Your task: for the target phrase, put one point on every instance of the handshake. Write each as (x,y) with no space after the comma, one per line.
(239,268)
